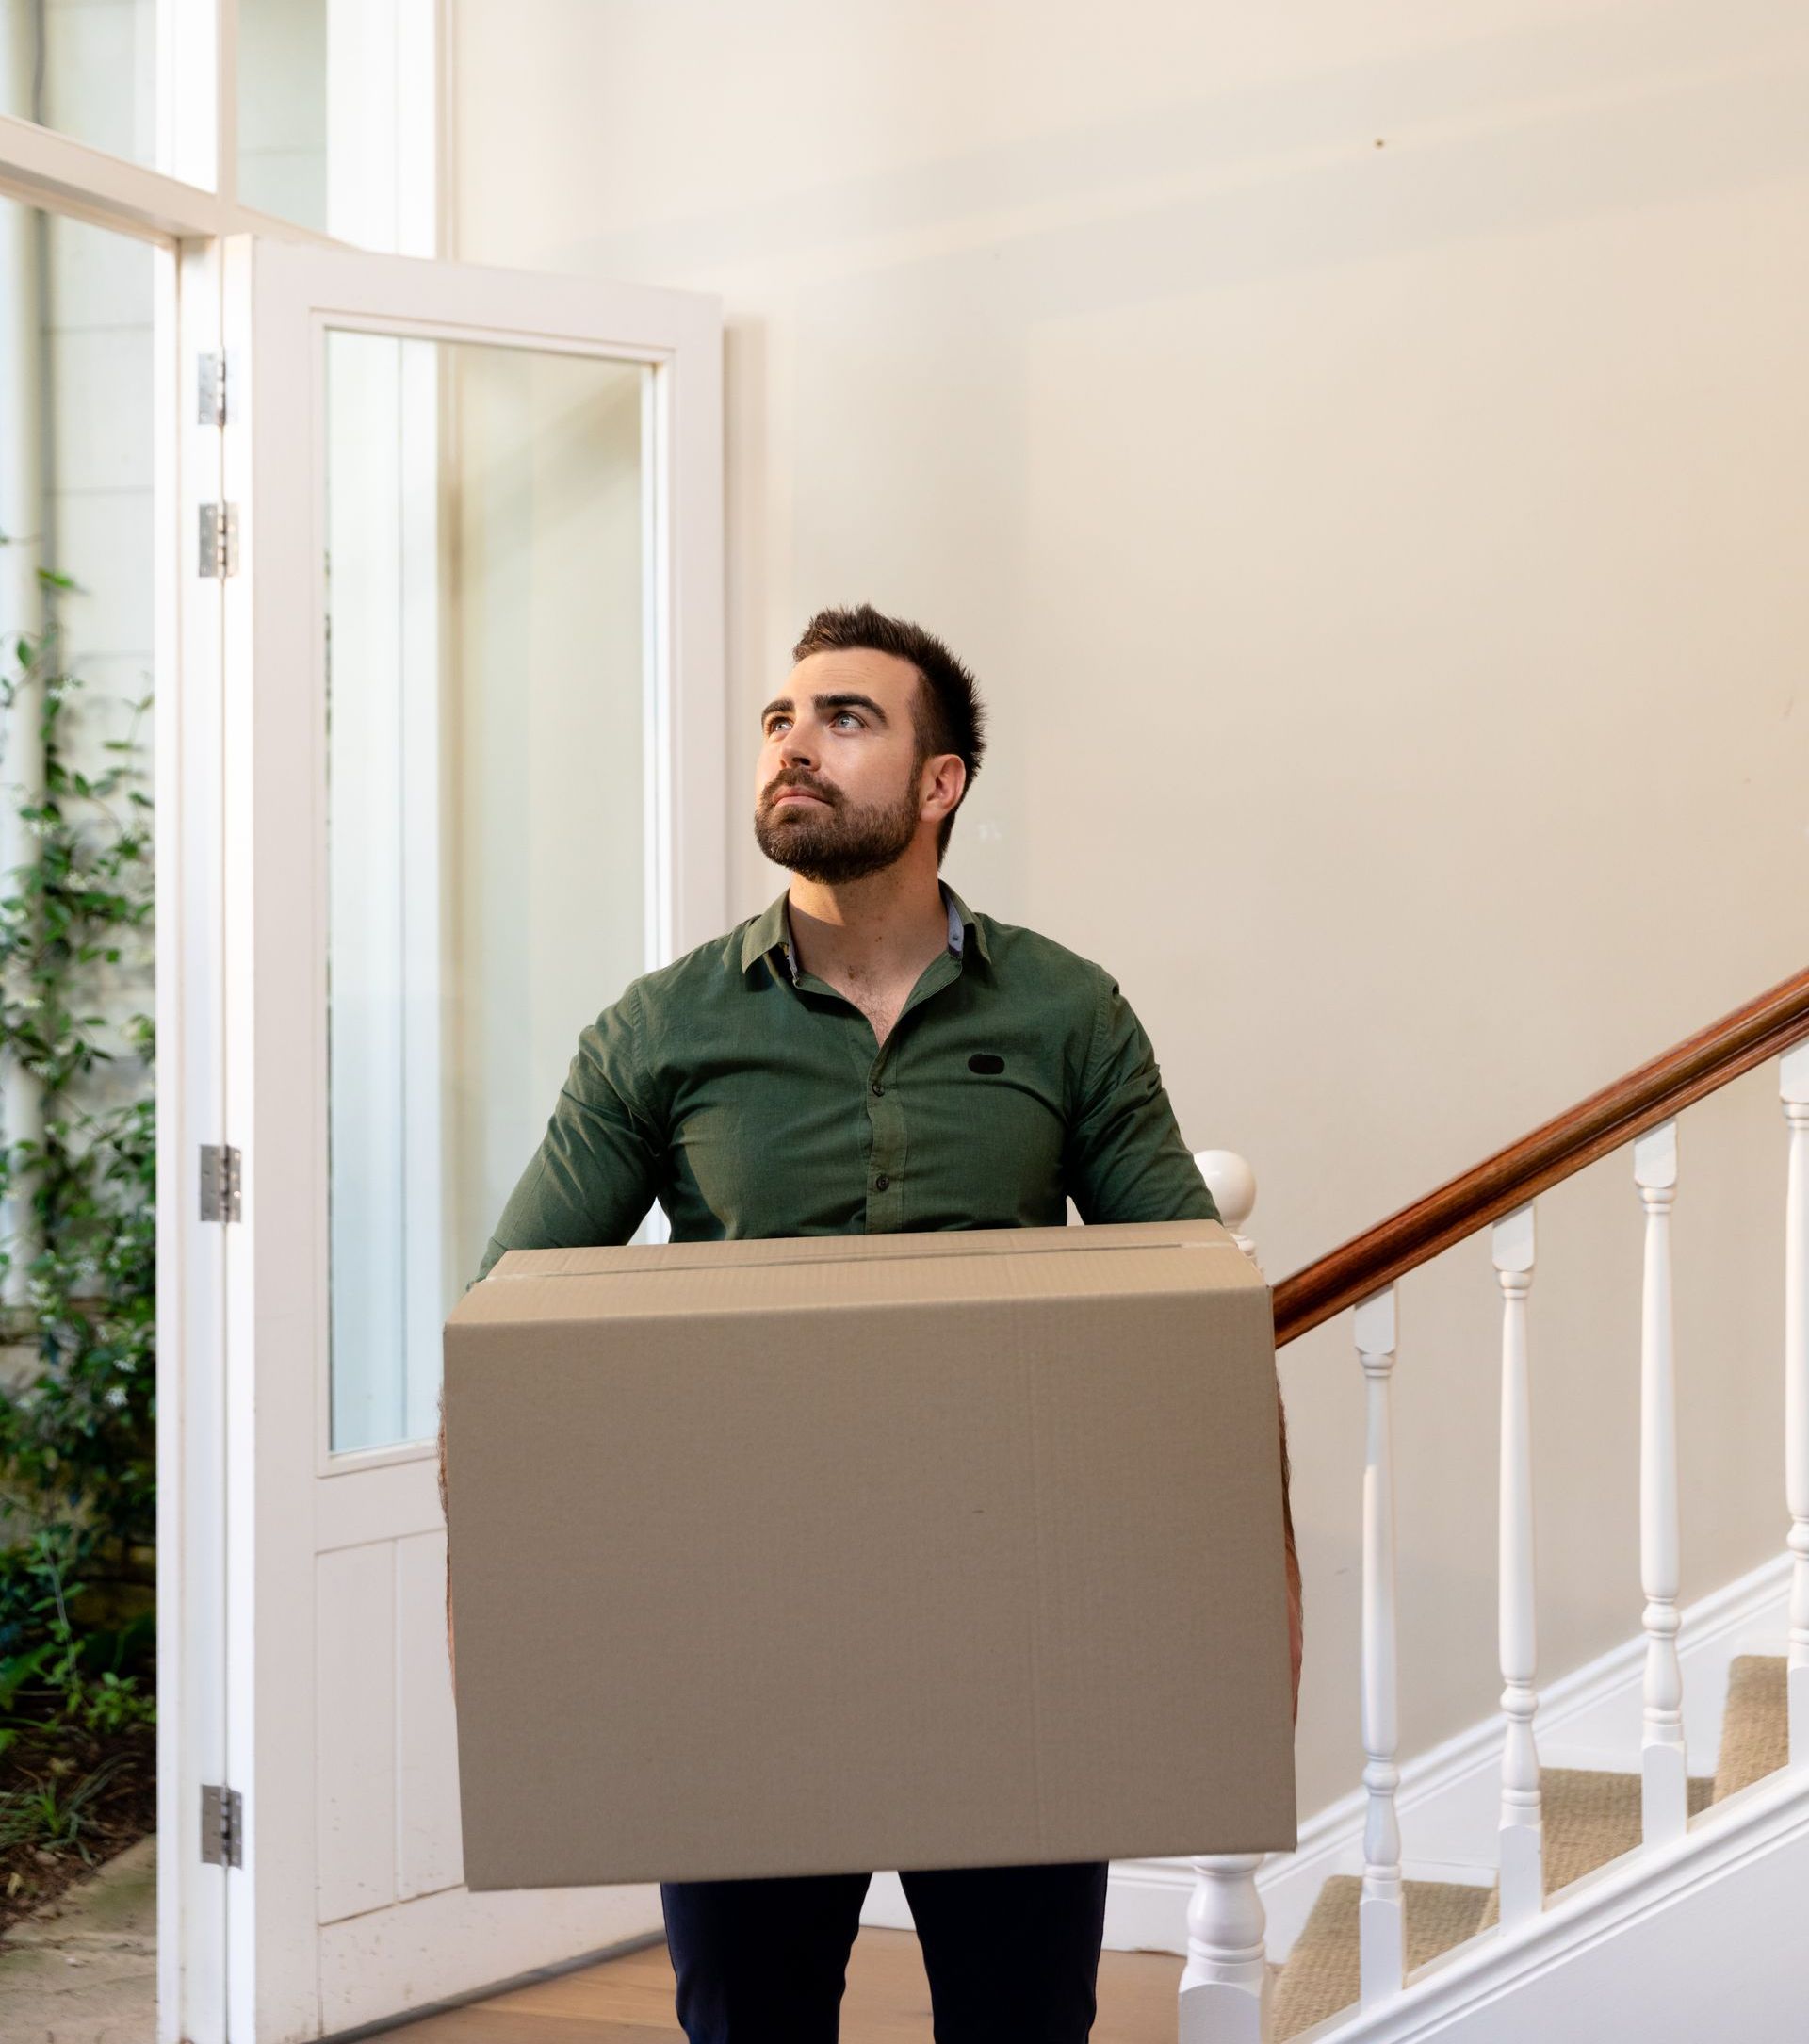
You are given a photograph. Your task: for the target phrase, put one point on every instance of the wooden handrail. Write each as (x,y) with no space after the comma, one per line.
(1562,1146)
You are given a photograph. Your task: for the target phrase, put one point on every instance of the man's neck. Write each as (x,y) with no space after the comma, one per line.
(878,931)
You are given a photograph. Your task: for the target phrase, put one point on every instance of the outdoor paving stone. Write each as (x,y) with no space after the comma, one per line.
(86,1973)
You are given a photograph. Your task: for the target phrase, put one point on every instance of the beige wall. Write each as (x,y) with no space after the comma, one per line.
(1361,447)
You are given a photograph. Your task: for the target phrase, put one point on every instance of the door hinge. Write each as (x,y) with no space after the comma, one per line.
(219,539)
(223,1826)
(219,1182)
(211,388)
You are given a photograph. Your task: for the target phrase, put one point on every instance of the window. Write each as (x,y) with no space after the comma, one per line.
(87,68)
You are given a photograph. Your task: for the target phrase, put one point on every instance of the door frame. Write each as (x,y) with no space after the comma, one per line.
(191,1253)
(40,167)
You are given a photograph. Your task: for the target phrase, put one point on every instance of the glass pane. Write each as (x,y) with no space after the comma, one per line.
(87,68)
(77,1002)
(283,109)
(486,512)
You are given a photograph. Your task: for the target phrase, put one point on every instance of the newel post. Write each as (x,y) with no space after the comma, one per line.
(1225,1984)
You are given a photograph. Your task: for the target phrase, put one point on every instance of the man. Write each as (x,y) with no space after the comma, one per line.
(868,1056)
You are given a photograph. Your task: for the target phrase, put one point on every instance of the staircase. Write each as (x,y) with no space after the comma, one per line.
(1590,1818)
(1649,1902)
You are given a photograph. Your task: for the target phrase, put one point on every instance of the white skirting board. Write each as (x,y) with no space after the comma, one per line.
(1450,1798)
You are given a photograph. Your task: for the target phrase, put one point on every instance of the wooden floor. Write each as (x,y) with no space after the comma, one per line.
(629,2000)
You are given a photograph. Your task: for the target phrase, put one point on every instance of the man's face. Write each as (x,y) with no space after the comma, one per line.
(838,784)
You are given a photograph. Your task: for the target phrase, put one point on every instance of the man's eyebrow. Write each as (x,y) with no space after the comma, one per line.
(842,699)
(847,699)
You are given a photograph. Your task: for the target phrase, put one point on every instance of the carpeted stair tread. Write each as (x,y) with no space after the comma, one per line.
(1590,1817)
(1755,1729)
(1321,1973)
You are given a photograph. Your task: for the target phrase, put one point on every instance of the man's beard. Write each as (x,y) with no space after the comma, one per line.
(840,842)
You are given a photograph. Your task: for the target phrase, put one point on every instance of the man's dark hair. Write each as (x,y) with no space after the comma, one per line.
(947,712)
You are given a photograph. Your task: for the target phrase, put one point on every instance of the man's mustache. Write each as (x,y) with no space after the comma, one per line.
(780,782)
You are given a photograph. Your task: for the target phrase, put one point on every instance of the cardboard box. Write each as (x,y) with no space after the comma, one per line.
(860,1553)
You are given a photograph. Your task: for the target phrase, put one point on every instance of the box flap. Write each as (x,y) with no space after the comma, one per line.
(632,1281)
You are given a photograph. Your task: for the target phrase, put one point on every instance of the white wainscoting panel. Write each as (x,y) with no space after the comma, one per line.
(355,1729)
(428,1856)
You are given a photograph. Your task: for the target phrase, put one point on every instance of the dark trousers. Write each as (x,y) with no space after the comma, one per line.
(1012,1952)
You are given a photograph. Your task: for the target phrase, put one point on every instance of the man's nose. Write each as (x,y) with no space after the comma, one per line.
(795,748)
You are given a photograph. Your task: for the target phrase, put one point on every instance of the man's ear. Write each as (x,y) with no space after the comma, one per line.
(945,779)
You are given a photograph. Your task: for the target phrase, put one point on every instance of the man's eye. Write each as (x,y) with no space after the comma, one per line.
(773,725)
(850,715)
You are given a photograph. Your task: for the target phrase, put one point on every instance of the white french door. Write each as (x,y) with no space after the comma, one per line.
(472,783)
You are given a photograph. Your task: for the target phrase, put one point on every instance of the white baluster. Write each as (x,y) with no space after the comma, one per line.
(1522,1828)
(1793,1083)
(1225,1984)
(1663,1767)
(1382,1931)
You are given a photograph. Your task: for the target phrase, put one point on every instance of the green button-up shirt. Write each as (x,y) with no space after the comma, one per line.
(750,1098)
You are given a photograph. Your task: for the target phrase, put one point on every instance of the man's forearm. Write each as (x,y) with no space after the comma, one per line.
(446,1519)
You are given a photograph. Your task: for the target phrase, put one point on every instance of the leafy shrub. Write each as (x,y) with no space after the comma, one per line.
(77,1437)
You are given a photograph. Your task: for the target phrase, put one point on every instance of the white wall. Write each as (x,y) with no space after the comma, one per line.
(1360,447)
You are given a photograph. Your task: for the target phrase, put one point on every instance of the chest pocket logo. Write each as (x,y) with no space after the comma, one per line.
(984,1062)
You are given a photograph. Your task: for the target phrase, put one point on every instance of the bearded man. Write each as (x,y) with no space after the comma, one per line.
(868,1056)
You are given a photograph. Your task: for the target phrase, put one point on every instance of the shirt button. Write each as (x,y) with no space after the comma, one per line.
(877,1086)
(881,1183)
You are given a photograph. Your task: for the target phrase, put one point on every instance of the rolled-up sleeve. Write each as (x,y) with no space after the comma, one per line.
(596,1170)
(1125,1157)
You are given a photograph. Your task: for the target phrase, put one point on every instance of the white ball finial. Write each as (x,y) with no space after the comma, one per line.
(1232,1184)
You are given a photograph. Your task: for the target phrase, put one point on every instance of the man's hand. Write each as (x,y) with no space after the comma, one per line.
(1296,1627)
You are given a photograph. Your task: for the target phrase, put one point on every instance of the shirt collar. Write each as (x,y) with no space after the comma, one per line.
(771,931)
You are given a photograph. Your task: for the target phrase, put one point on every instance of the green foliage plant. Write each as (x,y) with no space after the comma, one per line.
(78,1423)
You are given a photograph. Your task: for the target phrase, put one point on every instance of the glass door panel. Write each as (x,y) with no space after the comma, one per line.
(88,1085)
(488,667)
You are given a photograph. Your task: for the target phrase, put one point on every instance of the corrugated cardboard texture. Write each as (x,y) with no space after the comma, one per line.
(866,1552)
